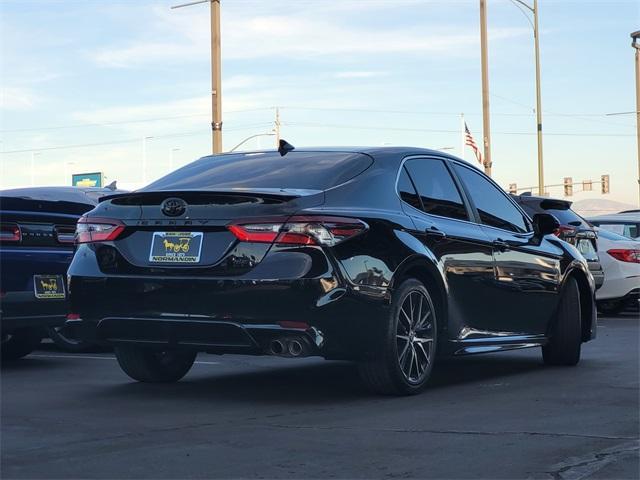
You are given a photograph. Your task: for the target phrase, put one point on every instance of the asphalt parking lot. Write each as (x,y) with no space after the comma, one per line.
(493,416)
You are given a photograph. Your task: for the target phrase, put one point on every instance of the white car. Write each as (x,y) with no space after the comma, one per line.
(620,259)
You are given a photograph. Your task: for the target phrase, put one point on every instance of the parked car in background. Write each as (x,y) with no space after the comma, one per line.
(383,256)
(573,228)
(620,258)
(36,246)
(625,223)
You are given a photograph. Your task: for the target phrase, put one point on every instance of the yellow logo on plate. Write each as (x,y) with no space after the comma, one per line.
(49,286)
(182,245)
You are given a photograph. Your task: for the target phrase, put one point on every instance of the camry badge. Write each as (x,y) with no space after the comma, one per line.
(173,207)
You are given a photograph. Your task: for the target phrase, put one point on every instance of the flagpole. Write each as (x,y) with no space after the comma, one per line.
(462,136)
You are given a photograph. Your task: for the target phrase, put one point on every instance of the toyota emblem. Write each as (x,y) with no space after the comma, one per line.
(174,207)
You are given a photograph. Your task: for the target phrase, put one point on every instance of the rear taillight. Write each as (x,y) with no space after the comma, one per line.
(328,231)
(625,255)
(65,233)
(564,231)
(10,233)
(92,229)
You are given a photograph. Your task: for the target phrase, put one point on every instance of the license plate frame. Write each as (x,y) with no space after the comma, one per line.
(49,287)
(176,248)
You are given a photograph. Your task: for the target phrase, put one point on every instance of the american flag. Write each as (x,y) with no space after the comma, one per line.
(468,140)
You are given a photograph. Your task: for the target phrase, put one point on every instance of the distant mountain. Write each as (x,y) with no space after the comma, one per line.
(590,207)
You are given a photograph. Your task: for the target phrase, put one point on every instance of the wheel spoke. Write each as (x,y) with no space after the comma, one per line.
(424,352)
(422,340)
(413,358)
(419,316)
(423,320)
(402,356)
(407,318)
(411,307)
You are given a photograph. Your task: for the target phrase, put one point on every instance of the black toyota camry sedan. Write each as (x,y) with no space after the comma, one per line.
(384,256)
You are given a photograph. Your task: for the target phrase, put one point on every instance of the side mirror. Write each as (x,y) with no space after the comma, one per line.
(544,224)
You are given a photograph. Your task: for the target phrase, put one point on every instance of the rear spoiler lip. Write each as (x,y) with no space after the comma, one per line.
(289,193)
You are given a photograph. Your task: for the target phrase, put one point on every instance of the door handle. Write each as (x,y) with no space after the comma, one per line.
(500,245)
(435,232)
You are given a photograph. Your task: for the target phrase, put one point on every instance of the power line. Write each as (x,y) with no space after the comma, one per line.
(364,127)
(124,122)
(128,140)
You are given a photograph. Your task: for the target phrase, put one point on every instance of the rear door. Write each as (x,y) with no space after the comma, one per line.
(527,269)
(443,225)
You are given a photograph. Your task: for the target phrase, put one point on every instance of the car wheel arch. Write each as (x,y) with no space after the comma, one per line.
(423,269)
(586,300)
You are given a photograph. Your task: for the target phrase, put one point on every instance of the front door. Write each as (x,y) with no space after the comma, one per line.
(526,268)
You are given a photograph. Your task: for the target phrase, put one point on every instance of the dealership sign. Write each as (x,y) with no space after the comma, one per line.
(95,179)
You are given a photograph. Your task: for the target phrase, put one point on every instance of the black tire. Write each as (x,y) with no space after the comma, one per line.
(20,343)
(154,366)
(63,342)
(387,373)
(566,336)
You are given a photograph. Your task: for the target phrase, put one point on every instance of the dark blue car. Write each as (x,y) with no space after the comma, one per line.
(37,232)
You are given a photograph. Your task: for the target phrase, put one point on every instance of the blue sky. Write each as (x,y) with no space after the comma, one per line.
(342,72)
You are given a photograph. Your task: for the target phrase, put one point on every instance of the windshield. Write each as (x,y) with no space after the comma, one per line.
(295,170)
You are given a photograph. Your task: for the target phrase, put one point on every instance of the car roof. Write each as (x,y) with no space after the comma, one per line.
(380,151)
(549,203)
(85,195)
(617,217)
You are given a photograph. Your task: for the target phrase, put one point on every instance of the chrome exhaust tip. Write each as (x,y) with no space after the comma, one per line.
(295,348)
(277,347)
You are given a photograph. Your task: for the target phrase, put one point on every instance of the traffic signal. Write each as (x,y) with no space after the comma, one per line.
(568,186)
(604,183)
(513,188)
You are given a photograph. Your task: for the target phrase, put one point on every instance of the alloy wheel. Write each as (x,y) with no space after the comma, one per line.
(415,336)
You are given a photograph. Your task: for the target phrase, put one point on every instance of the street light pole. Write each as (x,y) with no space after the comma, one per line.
(635,36)
(216,73)
(536,38)
(257,135)
(536,34)
(486,120)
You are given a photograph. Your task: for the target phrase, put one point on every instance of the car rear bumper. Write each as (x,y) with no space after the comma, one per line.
(24,310)
(227,315)
(597,272)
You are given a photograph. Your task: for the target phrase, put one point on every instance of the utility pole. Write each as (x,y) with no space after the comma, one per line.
(635,36)
(216,72)
(536,34)
(486,121)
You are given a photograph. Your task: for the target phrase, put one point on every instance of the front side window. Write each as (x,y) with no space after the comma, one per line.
(436,188)
(494,207)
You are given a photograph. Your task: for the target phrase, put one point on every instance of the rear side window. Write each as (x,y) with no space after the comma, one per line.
(436,188)
(295,170)
(494,207)
(407,191)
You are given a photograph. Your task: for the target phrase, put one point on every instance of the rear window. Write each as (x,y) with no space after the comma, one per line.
(568,217)
(557,208)
(295,170)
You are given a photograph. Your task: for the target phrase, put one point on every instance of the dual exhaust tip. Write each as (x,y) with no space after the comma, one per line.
(289,347)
